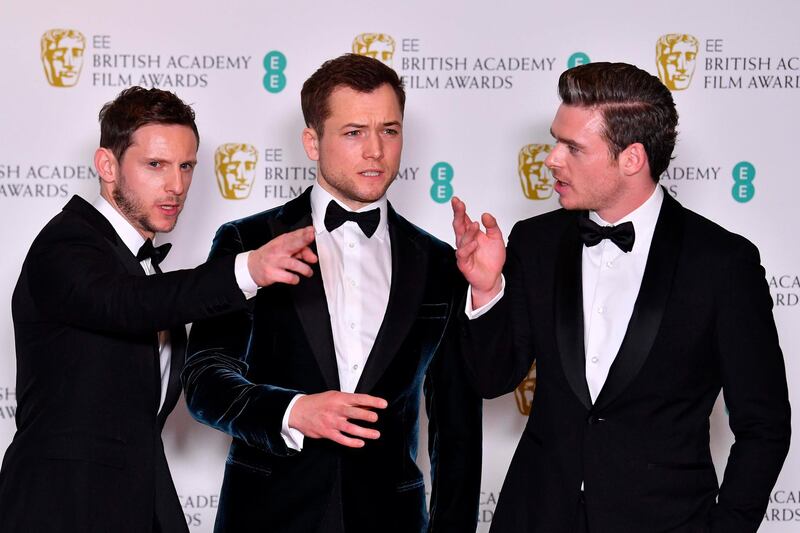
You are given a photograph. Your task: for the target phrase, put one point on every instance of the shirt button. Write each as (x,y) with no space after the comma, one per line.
(595,359)
(601,309)
(352,245)
(355,367)
(352,325)
(610,264)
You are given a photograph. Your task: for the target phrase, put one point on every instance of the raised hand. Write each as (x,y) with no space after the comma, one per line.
(327,415)
(480,255)
(283,259)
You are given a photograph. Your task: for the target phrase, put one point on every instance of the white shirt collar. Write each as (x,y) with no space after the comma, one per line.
(644,219)
(127,233)
(320,198)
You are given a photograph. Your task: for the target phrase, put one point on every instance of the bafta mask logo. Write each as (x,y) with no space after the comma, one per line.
(524,392)
(62,56)
(235,167)
(378,46)
(676,57)
(536,180)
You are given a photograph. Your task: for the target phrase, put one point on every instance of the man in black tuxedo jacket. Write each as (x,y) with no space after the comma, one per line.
(319,384)
(637,312)
(100,344)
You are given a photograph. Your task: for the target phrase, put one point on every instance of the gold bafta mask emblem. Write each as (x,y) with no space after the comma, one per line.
(378,46)
(536,180)
(676,57)
(235,167)
(62,56)
(524,392)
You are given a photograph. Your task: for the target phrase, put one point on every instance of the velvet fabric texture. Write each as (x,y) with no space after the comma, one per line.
(244,369)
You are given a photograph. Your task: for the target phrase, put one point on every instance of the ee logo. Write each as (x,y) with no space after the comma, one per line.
(274,79)
(743,175)
(578,58)
(442,175)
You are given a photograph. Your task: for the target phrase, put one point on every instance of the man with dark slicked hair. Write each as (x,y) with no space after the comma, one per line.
(637,312)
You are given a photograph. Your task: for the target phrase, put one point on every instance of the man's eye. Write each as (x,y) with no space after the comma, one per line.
(187,166)
(573,149)
(154,164)
(391,131)
(353,133)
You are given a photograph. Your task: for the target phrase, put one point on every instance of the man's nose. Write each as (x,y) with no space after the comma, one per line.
(175,182)
(373,147)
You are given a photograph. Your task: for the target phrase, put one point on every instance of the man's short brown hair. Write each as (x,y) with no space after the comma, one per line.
(360,73)
(136,107)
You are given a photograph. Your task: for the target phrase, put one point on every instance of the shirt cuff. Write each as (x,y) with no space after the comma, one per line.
(291,436)
(243,278)
(471,313)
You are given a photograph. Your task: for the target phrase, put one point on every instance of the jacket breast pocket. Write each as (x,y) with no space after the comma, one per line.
(96,449)
(251,466)
(433,311)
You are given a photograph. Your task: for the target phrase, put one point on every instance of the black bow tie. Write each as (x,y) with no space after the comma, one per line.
(592,233)
(368,221)
(156,254)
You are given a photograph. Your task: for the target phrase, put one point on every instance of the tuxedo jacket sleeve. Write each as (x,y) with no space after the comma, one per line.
(504,352)
(217,391)
(73,278)
(755,392)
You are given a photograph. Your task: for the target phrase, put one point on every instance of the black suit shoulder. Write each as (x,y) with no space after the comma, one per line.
(709,238)
(543,228)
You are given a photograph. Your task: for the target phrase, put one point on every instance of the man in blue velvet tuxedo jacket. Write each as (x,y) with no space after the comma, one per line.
(319,383)
(637,312)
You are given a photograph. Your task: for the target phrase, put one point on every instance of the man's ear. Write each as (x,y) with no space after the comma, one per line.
(106,164)
(311,143)
(633,159)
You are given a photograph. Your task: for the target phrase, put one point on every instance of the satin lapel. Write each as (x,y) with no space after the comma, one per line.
(308,296)
(100,223)
(409,260)
(569,313)
(649,308)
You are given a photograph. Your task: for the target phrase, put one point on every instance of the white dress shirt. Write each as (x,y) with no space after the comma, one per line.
(611,281)
(131,237)
(356,274)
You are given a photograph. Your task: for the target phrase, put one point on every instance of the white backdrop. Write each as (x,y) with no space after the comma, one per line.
(481,86)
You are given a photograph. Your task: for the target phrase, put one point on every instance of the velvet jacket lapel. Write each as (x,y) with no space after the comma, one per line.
(647,311)
(405,295)
(409,260)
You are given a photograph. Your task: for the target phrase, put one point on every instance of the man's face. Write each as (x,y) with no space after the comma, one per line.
(237,170)
(66,60)
(359,152)
(154,177)
(586,175)
(678,63)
